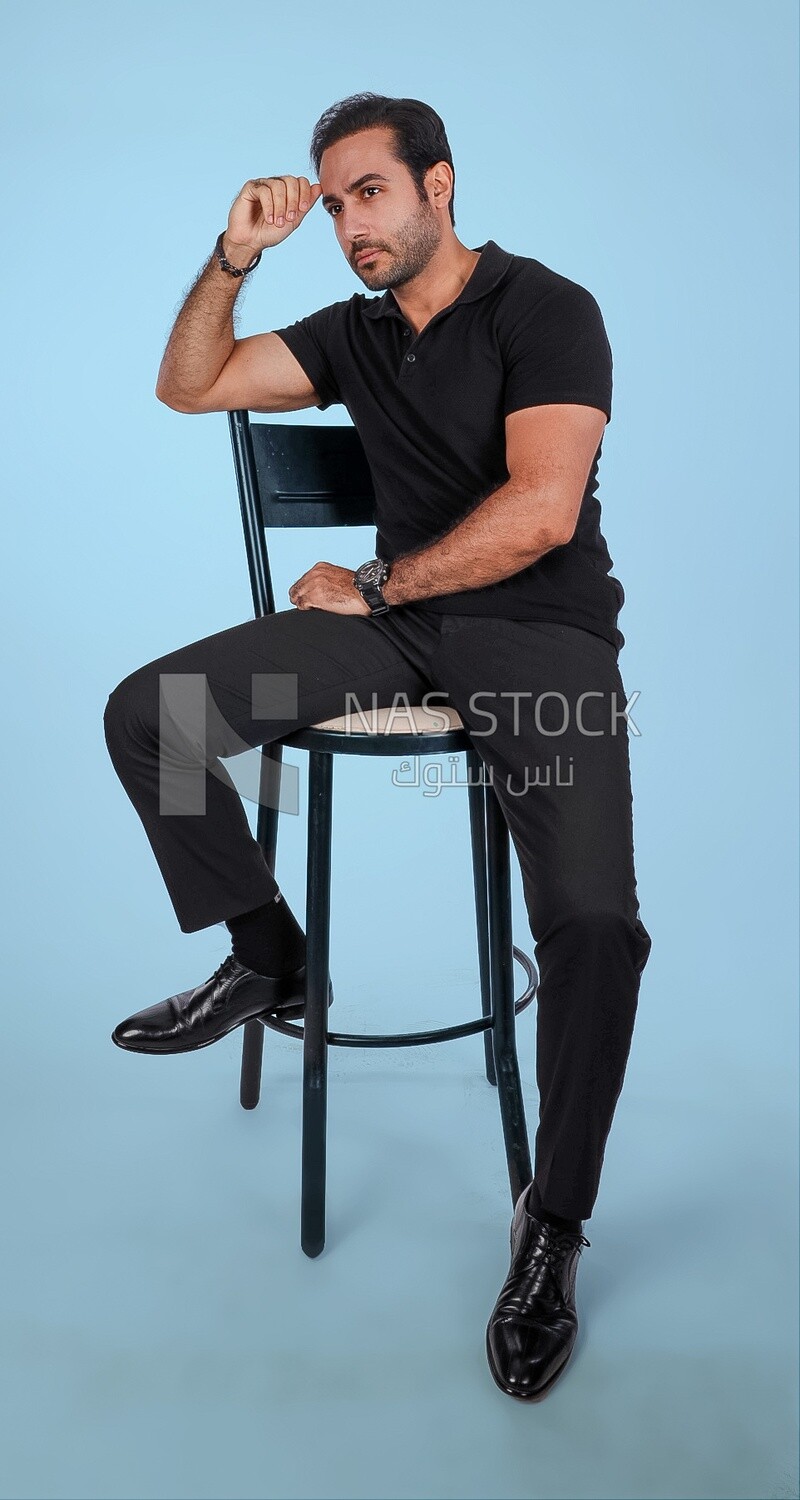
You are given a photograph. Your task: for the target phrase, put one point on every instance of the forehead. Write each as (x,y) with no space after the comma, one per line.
(367,151)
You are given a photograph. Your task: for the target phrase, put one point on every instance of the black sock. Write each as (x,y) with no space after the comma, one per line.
(574,1226)
(269,939)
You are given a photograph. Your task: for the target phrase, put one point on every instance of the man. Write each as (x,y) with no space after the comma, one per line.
(480,384)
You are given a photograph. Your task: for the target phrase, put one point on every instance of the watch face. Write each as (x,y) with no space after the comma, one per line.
(371,572)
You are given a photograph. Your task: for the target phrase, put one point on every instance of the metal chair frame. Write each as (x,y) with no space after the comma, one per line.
(303,475)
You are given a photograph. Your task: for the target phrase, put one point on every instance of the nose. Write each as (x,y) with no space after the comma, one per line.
(354,234)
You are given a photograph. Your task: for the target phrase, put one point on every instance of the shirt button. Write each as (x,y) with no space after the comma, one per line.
(411,358)
(407,334)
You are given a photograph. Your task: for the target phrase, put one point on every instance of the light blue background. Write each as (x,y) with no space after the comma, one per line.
(163,1335)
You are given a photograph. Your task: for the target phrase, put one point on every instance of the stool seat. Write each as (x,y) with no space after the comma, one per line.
(402,719)
(402,729)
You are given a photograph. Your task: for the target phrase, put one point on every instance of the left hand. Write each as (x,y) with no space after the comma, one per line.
(326,586)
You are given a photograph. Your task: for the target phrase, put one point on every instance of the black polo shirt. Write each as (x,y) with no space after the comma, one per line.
(430,411)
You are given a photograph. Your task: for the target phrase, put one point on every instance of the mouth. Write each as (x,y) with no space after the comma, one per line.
(364,255)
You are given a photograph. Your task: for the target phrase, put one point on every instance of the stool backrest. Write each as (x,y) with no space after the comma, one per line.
(295,475)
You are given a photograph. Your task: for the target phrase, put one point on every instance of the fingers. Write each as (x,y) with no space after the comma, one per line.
(284,199)
(268,209)
(297,592)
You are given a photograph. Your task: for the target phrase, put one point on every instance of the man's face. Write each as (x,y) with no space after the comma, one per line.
(383,213)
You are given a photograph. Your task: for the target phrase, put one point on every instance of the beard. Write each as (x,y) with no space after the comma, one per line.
(413,246)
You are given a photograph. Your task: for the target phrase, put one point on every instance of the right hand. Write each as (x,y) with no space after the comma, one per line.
(280,199)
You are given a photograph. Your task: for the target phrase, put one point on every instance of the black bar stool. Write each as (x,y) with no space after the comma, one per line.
(302,475)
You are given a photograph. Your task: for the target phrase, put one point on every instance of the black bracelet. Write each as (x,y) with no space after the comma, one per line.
(226,265)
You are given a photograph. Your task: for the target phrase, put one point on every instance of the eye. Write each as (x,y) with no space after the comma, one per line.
(371,188)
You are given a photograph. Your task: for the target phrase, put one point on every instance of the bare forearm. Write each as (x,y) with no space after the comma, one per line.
(499,537)
(202,338)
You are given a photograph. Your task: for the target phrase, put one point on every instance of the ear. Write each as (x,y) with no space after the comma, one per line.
(439,183)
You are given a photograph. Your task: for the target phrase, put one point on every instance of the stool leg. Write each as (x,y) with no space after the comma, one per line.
(267,837)
(315,1025)
(252,1052)
(477,824)
(512,1108)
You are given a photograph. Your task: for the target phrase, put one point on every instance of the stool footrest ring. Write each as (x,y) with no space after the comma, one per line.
(416,1038)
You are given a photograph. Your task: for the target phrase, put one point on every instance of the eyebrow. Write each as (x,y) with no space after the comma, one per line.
(359,182)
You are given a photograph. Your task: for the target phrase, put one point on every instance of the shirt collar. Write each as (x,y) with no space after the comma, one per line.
(492,265)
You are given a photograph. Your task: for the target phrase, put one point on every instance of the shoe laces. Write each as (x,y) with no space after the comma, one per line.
(556,1251)
(220,973)
(550,1249)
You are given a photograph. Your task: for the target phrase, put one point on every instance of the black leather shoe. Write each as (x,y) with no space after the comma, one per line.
(534,1324)
(196,1018)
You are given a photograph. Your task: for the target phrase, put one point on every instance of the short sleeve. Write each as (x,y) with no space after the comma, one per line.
(557,351)
(312,341)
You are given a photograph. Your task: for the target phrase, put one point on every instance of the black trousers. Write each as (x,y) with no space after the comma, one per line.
(545,707)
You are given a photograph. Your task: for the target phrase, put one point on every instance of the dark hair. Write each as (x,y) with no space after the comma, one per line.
(420,139)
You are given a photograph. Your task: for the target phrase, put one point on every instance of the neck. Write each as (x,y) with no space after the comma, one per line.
(442,280)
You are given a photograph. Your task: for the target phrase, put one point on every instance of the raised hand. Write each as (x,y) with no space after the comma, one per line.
(266,211)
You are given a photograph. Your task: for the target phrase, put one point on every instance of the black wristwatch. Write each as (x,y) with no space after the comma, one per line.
(369,580)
